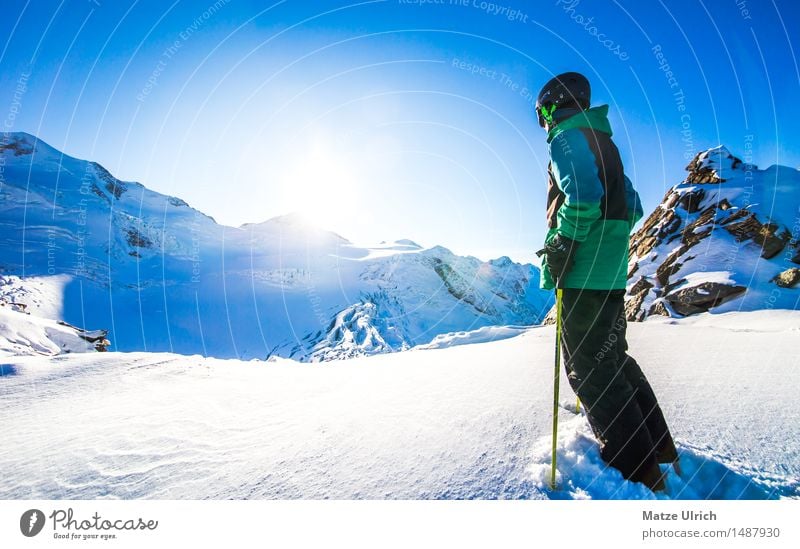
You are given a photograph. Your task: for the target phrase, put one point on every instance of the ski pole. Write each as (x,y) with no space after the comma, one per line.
(556,378)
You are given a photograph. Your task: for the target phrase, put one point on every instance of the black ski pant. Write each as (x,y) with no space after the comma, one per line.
(620,404)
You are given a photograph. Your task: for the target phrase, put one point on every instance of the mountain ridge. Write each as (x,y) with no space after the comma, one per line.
(164,276)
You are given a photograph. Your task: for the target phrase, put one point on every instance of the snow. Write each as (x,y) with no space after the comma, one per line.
(386,249)
(693,279)
(22,334)
(460,421)
(162,276)
(481,335)
(41,295)
(582,474)
(764,320)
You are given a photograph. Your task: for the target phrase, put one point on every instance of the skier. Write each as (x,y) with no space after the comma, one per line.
(591,209)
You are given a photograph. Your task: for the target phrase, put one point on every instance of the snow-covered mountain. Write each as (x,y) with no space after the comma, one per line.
(163,276)
(726,238)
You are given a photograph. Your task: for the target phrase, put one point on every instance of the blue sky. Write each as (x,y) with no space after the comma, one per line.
(393,119)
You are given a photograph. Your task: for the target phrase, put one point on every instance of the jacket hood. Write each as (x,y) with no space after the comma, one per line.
(595,118)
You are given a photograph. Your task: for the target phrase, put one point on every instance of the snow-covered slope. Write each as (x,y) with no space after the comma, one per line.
(24,334)
(28,325)
(726,238)
(163,276)
(468,421)
(39,296)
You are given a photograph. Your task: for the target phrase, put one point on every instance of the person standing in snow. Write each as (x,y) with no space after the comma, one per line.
(591,209)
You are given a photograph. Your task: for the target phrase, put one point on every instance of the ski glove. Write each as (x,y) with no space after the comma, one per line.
(559,257)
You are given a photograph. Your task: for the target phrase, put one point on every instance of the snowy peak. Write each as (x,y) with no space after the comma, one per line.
(720,240)
(297,225)
(28,149)
(166,277)
(17,144)
(715,165)
(408,299)
(291,220)
(402,245)
(407,243)
(52,170)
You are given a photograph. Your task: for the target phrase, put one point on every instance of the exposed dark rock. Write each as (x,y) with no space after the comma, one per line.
(659,308)
(788,278)
(460,288)
(706,216)
(638,294)
(643,246)
(645,238)
(702,174)
(692,238)
(702,297)
(670,265)
(762,234)
(691,201)
(18,145)
(641,285)
(671,224)
(98,337)
(113,185)
(633,307)
(177,202)
(738,214)
(667,269)
(670,199)
(137,239)
(672,285)
(96,190)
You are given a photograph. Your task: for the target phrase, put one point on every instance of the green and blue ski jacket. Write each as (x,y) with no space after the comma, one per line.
(590,200)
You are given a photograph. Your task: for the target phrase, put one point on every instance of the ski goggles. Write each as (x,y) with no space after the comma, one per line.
(545,113)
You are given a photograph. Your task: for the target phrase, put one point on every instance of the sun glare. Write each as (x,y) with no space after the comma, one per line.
(321,185)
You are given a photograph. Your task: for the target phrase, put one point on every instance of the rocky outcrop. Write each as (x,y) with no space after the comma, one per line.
(788,278)
(460,288)
(769,236)
(137,239)
(702,297)
(709,239)
(15,143)
(98,337)
(638,292)
(113,185)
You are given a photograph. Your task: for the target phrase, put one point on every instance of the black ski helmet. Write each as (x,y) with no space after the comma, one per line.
(564,89)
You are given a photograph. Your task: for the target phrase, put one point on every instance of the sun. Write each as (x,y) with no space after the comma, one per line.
(321,184)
